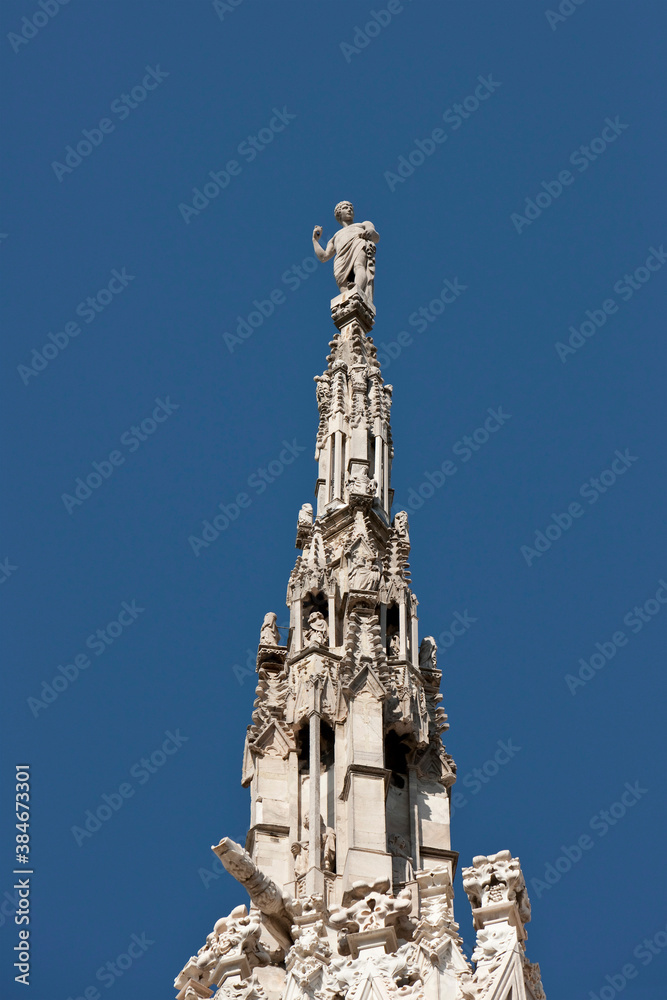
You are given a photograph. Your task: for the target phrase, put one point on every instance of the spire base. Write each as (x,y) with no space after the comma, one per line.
(353,305)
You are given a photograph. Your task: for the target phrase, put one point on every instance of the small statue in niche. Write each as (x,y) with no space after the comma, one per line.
(327,845)
(299,851)
(363,572)
(361,485)
(353,247)
(328,849)
(318,631)
(394,646)
(269,634)
(402,868)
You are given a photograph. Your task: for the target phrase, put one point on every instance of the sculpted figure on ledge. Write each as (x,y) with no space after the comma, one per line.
(269,634)
(353,247)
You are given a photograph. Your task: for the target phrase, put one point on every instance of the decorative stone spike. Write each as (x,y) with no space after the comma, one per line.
(348,860)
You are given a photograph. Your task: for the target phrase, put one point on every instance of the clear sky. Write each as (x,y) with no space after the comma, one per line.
(513,164)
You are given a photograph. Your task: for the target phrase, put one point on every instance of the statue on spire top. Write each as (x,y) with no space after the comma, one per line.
(353,247)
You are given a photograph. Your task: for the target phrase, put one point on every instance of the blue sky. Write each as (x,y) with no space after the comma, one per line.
(541,202)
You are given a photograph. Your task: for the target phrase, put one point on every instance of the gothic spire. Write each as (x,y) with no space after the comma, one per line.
(348,861)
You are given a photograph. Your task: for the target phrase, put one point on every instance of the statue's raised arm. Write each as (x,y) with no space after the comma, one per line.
(353,247)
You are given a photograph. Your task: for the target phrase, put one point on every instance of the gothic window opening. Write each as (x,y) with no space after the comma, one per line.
(316,619)
(396,758)
(327,745)
(393,629)
(315,602)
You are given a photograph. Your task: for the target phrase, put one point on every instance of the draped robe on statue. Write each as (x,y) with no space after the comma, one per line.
(349,244)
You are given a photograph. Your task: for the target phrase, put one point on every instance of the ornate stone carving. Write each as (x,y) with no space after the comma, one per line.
(393,974)
(311,571)
(242,989)
(533,979)
(233,937)
(323,393)
(351,307)
(363,643)
(497,892)
(435,764)
(493,941)
(497,879)
(364,569)
(311,951)
(270,695)
(361,486)
(304,525)
(374,911)
(437,932)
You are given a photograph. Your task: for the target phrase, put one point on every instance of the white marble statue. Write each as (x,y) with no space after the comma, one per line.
(353,247)
(318,631)
(363,572)
(269,634)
